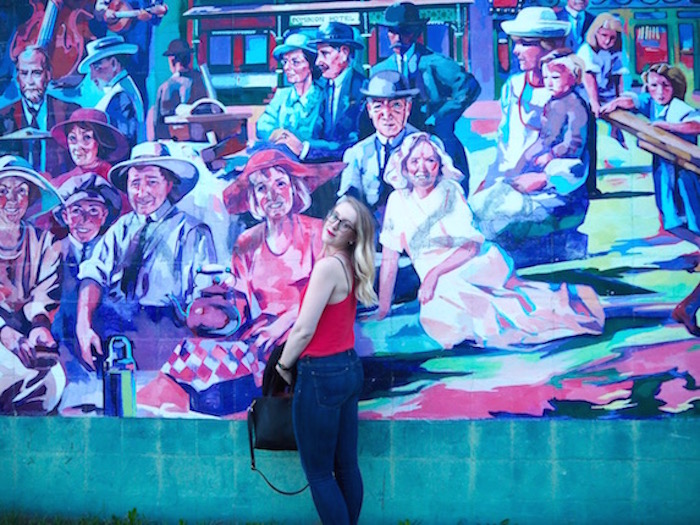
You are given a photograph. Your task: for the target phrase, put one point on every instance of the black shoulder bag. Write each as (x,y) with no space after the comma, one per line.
(270,418)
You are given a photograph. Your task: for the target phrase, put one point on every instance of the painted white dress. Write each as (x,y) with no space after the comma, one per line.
(482,301)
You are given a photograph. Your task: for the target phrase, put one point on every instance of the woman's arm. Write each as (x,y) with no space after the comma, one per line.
(465,253)
(324,278)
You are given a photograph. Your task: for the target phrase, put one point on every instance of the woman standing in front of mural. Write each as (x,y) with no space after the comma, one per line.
(271,265)
(297,107)
(468,290)
(677,190)
(31,377)
(330,374)
(93,144)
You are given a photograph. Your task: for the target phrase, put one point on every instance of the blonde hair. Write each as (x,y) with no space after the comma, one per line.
(671,73)
(564,58)
(301,198)
(362,254)
(606,21)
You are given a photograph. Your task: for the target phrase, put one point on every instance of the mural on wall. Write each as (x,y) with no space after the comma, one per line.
(167,168)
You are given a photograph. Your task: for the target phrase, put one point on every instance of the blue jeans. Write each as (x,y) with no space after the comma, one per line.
(325,425)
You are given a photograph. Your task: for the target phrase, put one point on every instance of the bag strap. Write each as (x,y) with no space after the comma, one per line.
(254,468)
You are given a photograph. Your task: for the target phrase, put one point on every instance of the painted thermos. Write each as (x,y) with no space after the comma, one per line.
(119,381)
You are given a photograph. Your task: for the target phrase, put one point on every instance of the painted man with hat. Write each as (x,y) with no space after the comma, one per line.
(145,261)
(90,205)
(446,88)
(574,12)
(121,100)
(339,124)
(31,377)
(36,109)
(184,86)
(295,108)
(389,103)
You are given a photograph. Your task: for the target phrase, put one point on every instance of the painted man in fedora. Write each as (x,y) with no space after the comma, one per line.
(446,88)
(184,86)
(31,378)
(146,261)
(339,123)
(389,103)
(121,99)
(36,109)
(90,205)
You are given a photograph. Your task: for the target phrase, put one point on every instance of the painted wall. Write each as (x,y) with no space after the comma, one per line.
(560,304)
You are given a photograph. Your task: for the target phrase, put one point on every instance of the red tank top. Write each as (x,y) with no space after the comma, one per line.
(335,330)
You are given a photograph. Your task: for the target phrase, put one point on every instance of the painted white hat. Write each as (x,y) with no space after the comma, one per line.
(185,173)
(537,22)
(103,48)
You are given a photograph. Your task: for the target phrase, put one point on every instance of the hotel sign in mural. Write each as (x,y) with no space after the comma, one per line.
(533,168)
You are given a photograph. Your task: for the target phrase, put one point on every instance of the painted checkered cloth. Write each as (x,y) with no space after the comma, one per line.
(202,363)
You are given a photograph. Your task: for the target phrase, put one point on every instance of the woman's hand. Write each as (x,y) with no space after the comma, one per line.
(41,337)
(284,374)
(427,288)
(543,160)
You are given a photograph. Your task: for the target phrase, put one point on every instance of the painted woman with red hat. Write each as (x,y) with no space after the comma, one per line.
(93,144)
(271,265)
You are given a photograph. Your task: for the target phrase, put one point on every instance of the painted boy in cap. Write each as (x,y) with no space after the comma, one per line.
(184,86)
(36,109)
(446,88)
(90,206)
(121,99)
(31,378)
(145,261)
(339,123)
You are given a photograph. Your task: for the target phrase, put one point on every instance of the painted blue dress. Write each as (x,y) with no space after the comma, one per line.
(677,190)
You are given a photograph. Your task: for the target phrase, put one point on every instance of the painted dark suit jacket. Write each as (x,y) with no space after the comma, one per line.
(573,39)
(12,118)
(330,144)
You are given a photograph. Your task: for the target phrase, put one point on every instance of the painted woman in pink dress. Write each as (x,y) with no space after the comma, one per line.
(469,291)
(271,265)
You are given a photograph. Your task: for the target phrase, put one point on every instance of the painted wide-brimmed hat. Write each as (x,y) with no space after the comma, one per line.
(336,33)
(44,199)
(178,46)
(105,47)
(403,15)
(90,186)
(537,22)
(112,140)
(313,175)
(184,173)
(388,84)
(292,42)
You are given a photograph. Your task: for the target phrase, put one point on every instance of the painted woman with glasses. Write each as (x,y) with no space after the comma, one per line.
(297,107)
(329,373)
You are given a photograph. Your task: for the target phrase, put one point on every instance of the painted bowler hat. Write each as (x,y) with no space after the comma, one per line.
(388,84)
(336,33)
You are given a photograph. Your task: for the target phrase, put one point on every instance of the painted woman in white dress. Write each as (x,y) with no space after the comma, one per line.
(469,291)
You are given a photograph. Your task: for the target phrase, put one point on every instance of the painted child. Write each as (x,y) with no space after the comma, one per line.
(604,61)
(677,190)
(564,128)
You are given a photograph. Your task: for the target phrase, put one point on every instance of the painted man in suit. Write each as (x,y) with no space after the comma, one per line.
(36,109)
(121,99)
(389,103)
(446,88)
(575,13)
(338,126)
